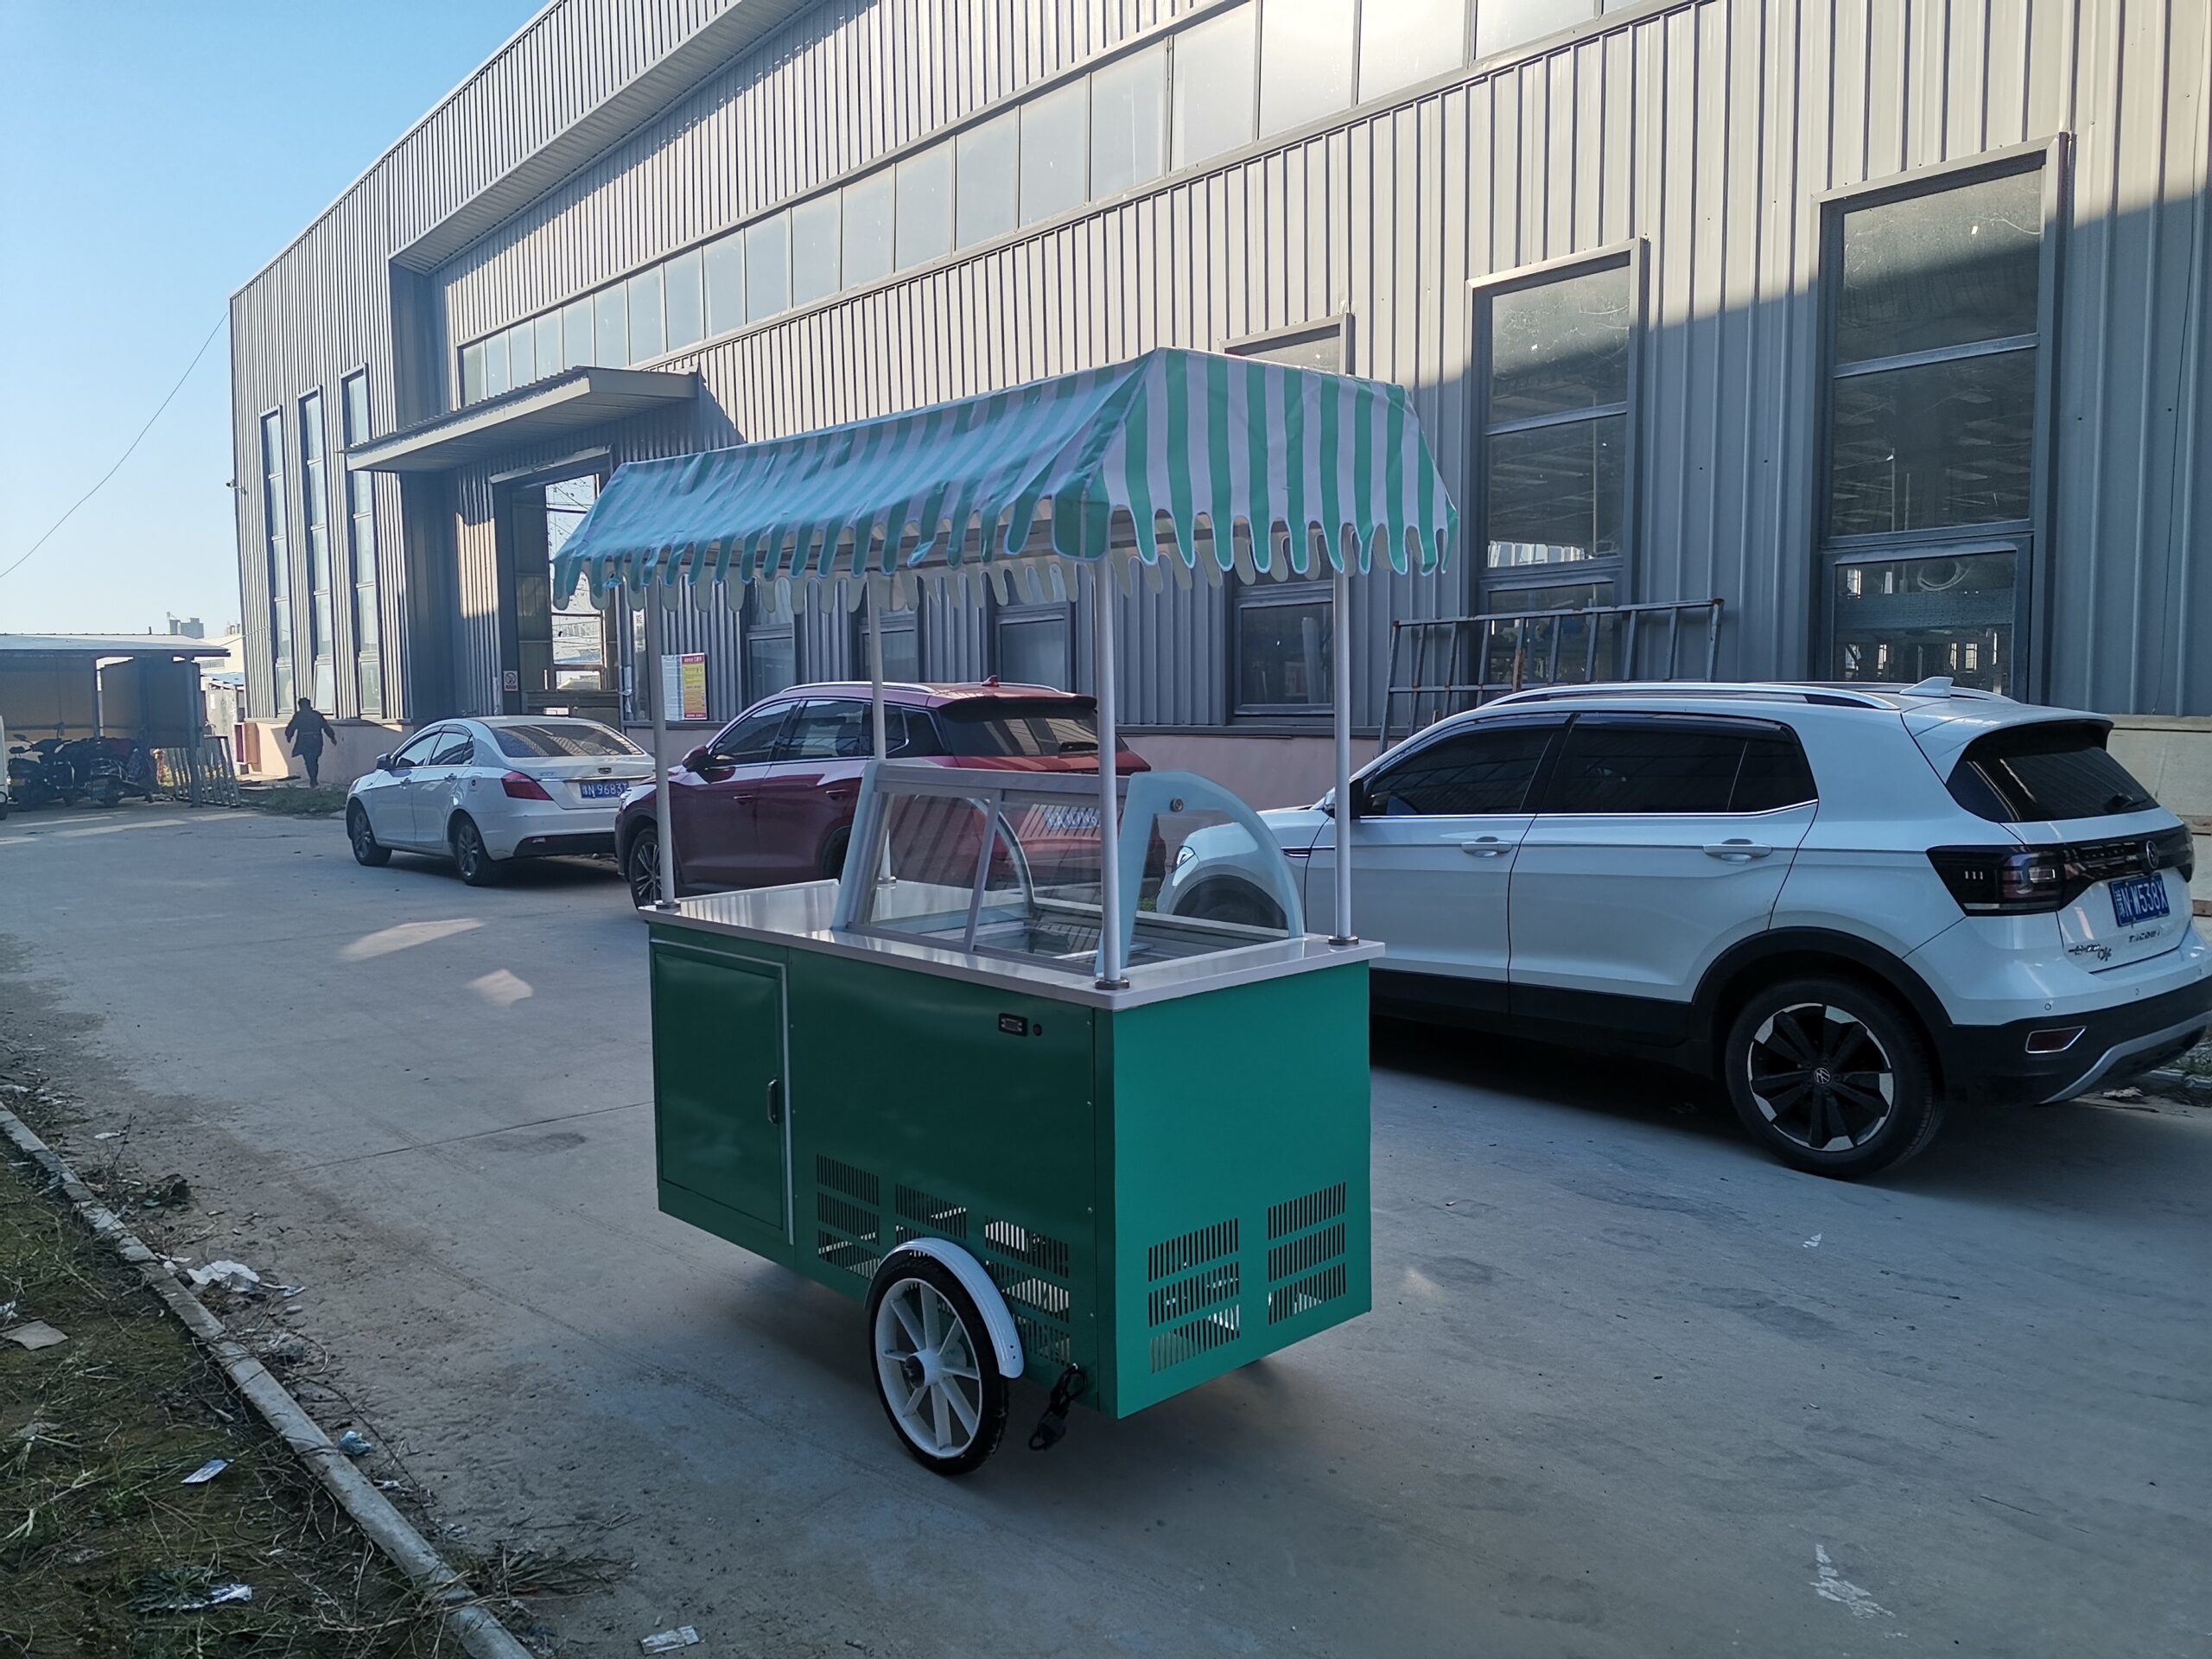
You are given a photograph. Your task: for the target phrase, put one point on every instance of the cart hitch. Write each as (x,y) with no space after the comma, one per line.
(1052,1427)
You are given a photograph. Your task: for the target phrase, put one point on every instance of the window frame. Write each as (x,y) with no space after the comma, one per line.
(2030,539)
(277,559)
(1495,590)
(367,593)
(1025,615)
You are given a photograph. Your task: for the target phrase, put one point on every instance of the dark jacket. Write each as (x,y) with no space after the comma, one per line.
(309,731)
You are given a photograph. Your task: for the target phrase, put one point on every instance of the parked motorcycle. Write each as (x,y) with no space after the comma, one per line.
(36,778)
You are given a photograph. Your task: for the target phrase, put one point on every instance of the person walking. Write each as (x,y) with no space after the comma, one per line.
(309,732)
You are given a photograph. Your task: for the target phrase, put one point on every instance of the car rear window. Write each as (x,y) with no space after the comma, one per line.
(1646,764)
(561,739)
(2051,770)
(1012,726)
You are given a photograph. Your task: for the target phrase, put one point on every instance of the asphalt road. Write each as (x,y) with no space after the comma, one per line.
(1629,1388)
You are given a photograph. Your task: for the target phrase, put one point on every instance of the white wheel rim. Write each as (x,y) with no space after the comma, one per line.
(925,1365)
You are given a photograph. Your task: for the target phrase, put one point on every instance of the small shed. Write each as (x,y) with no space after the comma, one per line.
(144,686)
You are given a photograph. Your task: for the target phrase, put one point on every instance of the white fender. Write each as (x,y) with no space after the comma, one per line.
(998,1318)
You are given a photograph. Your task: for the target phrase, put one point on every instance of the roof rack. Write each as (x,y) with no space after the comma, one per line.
(1832,695)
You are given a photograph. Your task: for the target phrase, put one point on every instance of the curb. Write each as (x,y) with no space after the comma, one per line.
(479,1633)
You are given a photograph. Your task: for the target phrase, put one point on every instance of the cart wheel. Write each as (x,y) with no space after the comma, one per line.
(931,1353)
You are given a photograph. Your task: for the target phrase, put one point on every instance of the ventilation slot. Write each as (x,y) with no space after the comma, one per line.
(847,1204)
(1288,1301)
(1303,1254)
(1299,1214)
(1193,1250)
(1171,1348)
(1032,1272)
(920,1214)
(1037,1250)
(1185,1297)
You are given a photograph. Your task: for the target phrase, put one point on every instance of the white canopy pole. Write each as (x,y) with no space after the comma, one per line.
(656,685)
(875,664)
(1340,653)
(1109,820)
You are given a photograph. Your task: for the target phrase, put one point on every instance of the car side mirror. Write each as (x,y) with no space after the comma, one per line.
(384,763)
(698,761)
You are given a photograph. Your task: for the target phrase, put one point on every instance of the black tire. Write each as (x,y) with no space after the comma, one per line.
(1831,1077)
(359,830)
(471,857)
(1232,901)
(641,868)
(108,792)
(987,1392)
(833,854)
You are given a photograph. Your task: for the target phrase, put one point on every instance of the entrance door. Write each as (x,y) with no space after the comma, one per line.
(720,1080)
(564,645)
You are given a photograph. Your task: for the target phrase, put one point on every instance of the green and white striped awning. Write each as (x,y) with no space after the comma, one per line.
(1309,466)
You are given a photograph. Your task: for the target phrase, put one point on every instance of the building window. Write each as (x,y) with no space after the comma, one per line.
(1558,365)
(1055,152)
(986,179)
(361,524)
(648,322)
(1281,633)
(315,521)
(496,378)
(1215,72)
(768,267)
(725,273)
(578,348)
(771,649)
(280,557)
(1031,644)
(1306,60)
(868,210)
(611,321)
(1501,25)
(1402,41)
(923,226)
(549,344)
(902,646)
(1128,123)
(1936,337)
(522,354)
(814,250)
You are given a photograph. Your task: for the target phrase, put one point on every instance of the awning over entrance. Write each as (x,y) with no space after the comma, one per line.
(581,397)
(1172,439)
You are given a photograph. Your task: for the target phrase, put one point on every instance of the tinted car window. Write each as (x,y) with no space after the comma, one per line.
(2058,770)
(563,740)
(418,749)
(1773,775)
(1485,770)
(1658,767)
(458,750)
(828,731)
(752,739)
(1016,726)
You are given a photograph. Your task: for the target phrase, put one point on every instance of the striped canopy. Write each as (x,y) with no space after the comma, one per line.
(1171,439)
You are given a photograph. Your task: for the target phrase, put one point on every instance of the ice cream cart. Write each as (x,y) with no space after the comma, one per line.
(1040,1126)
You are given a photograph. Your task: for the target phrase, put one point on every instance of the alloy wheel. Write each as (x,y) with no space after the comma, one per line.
(644,871)
(926,1363)
(1820,1078)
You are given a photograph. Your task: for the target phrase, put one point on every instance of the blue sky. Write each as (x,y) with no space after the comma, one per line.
(152,157)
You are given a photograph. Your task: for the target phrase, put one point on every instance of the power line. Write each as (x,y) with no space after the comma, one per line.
(127,454)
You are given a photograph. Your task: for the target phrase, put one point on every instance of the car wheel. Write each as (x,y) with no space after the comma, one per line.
(1232,901)
(643,868)
(833,854)
(470,857)
(366,848)
(935,1371)
(1832,1078)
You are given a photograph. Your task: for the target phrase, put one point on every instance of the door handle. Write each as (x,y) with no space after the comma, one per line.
(1482,846)
(1738,851)
(775,1101)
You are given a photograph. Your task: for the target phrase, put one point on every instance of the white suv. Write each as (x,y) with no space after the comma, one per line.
(1854,903)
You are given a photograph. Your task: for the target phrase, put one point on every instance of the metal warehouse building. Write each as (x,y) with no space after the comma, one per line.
(1882,323)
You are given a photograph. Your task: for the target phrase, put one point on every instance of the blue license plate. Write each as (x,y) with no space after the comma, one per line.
(604,791)
(2140,898)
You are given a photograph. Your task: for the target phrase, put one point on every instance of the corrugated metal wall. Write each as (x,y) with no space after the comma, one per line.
(1709,129)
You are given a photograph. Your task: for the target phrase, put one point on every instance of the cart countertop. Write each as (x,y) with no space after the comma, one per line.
(800,917)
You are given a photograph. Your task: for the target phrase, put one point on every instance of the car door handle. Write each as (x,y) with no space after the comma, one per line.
(1481,845)
(775,1101)
(1737,852)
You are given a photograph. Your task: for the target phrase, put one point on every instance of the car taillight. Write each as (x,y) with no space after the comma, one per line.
(521,787)
(2009,880)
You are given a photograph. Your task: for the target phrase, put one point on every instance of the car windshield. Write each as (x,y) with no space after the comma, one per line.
(1013,726)
(563,740)
(2046,771)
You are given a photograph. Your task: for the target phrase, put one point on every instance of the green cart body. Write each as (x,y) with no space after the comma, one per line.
(1163,1181)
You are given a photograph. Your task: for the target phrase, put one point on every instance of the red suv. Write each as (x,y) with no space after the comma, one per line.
(770,800)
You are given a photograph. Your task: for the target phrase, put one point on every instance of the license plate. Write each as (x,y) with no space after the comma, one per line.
(2140,898)
(605,792)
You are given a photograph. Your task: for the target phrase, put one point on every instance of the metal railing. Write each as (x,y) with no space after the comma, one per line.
(1461,662)
(198,774)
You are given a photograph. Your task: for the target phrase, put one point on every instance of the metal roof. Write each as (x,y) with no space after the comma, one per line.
(106,645)
(581,397)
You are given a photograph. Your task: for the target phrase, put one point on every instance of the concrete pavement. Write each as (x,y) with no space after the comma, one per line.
(1614,1399)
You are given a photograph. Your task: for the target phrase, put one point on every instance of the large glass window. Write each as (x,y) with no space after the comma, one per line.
(924,212)
(315,521)
(495,366)
(1501,25)
(1306,60)
(1128,123)
(279,555)
(687,300)
(1402,41)
(902,646)
(577,346)
(1032,646)
(611,316)
(648,323)
(867,208)
(472,372)
(814,250)
(771,651)
(579,658)
(522,354)
(547,328)
(984,160)
(1936,321)
(1555,428)
(1216,68)
(1055,151)
(724,265)
(361,527)
(768,267)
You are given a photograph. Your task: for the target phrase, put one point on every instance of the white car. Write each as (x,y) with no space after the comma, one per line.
(483,792)
(1854,903)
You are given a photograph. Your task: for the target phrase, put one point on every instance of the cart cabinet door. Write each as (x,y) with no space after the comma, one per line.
(719,1080)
